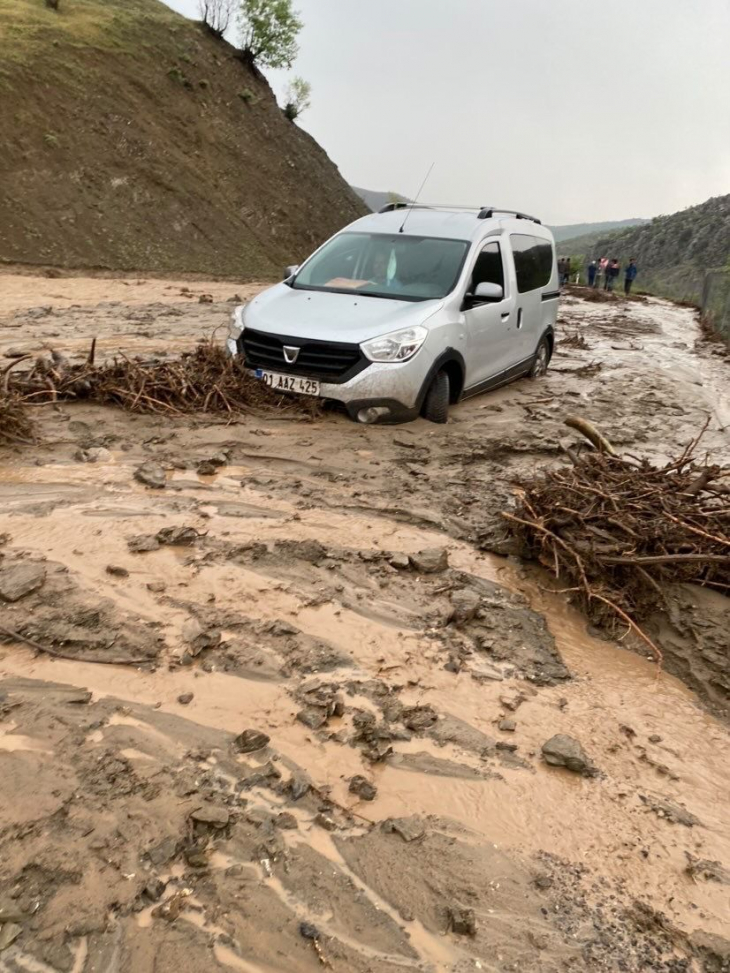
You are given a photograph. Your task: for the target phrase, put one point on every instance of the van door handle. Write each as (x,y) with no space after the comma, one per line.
(505,315)
(519,318)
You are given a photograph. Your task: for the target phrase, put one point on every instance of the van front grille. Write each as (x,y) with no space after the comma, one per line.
(328,361)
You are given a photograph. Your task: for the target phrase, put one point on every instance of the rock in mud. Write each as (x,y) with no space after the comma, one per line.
(399,561)
(154,889)
(363,788)
(250,741)
(565,751)
(185,698)
(465,604)
(672,812)
(206,468)
(325,822)
(9,932)
(19,580)
(195,852)
(210,814)
(177,536)
(311,551)
(419,718)
(313,717)
(711,871)
(143,542)
(286,821)
(462,921)
(431,561)
(410,829)
(163,852)
(298,788)
(116,571)
(512,702)
(152,475)
(96,454)
(714,950)
(198,640)
(507,726)
(308,930)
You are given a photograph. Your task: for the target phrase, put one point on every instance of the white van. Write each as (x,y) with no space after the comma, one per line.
(407,311)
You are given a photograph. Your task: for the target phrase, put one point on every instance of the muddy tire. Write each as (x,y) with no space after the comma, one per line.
(436,404)
(541,360)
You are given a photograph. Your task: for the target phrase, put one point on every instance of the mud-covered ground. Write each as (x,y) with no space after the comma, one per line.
(285,738)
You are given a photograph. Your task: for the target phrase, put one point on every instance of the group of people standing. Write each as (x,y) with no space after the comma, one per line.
(604,273)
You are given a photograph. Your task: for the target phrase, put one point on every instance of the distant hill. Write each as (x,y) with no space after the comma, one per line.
(572,230)
(375,200)
(672,252)
(134,140)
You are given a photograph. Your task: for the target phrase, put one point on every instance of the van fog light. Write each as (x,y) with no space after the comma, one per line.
(373,413)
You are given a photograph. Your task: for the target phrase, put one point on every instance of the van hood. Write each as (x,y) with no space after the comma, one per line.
(326,316)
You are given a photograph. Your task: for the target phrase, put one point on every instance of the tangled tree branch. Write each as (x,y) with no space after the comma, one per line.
(616,531)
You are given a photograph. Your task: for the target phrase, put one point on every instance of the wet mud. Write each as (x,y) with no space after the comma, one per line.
(290,713)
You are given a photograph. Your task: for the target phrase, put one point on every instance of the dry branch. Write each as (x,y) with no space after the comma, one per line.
(205,380)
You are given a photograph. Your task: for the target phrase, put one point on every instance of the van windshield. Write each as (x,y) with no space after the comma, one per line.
(403,268)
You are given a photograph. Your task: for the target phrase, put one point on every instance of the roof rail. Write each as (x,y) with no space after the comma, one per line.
(488,212)
(389,207)
(483,212)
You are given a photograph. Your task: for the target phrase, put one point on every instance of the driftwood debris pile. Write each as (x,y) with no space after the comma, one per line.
(205,380)
(615,530)
(16,425)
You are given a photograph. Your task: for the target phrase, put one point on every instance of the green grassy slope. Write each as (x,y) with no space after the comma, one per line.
(132,139)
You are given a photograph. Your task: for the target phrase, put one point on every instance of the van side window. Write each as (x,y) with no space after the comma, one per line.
(533,261)
(488,269)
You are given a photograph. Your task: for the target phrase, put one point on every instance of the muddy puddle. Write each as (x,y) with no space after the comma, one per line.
(310,734)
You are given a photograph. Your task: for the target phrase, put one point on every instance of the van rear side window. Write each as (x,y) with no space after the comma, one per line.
(533,261)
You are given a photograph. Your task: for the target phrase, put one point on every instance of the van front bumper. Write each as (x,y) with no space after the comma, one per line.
(394,390)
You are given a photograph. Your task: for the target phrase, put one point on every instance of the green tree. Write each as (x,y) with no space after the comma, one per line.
(269,30)
(297,98)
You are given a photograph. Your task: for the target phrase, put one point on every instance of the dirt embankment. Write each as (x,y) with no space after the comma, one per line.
(292,712)
(134,140)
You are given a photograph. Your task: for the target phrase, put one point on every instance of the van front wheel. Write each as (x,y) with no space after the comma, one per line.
(436,404)
(541,359)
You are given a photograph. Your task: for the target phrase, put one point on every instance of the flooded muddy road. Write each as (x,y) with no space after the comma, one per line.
(291,706)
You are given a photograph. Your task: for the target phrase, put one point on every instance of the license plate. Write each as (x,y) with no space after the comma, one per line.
(288,383)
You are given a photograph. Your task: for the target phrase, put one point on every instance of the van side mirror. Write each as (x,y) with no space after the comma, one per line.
(489,292)
(290,271)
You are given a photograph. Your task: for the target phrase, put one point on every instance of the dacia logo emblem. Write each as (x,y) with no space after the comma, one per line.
(291,353)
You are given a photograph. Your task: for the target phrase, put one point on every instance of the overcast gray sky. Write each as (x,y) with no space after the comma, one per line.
(571,109)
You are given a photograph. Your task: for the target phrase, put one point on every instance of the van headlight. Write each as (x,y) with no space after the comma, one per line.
(396,346)
(236,325)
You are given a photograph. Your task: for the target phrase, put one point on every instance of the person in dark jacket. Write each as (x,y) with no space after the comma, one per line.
(630,276)
(612,272)
(592,271)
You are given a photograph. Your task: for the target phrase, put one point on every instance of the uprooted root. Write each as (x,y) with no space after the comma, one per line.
(617,530)
(16,426)
(205,380)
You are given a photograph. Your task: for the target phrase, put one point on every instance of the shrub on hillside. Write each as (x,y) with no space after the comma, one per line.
(217,15)
(297,98)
